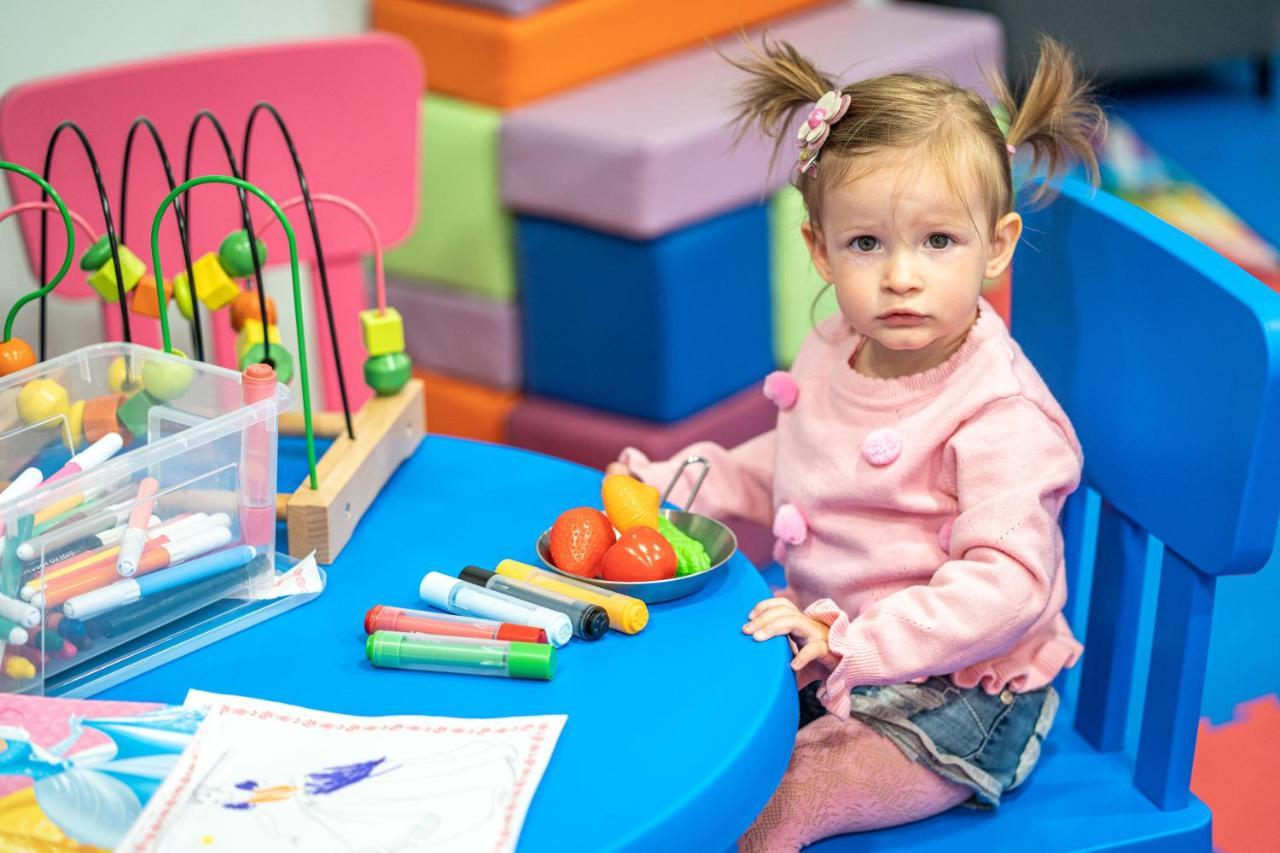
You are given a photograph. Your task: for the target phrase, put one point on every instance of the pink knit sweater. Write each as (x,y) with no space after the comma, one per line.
(919,515)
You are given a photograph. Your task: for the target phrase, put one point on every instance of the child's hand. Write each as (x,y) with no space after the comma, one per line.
(616,468)
(774,617)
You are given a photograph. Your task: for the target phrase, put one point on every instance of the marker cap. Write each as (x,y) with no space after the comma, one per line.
(521,633)
(532,660)
(436,587)
(475,575)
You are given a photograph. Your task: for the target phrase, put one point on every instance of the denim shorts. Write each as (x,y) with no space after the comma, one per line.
(987,743)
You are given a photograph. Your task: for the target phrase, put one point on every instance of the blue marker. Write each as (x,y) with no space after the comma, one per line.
(127,591)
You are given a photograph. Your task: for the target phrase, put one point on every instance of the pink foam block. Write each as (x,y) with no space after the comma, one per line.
(459,335)
(647,151)
(592,437)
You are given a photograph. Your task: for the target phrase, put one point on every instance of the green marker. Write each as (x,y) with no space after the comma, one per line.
(464,655)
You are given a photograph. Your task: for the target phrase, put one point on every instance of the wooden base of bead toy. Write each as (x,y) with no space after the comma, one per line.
(352,473)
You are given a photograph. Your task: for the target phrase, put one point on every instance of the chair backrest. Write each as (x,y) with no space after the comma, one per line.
(1166,356)
(352,108)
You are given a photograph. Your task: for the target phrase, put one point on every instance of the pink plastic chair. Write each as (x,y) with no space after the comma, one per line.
(351,106)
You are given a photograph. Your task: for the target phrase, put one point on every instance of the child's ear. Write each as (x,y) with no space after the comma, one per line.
(1004,240)
(817,250)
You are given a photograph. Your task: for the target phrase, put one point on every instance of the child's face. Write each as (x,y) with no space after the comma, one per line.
(907,259)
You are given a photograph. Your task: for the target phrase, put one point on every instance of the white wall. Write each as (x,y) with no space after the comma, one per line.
(43,38)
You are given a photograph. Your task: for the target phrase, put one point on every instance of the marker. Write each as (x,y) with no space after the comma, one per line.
(10,565)
(590,621)
(13,633)
(18,668)
(23,484)
(95,454)
(257,497)
(463,655)
(135,538)
(383,618)
(169,531)
(164,607)
(19,612)
(57,547)
(66,505)
(626,614)
(168,554)
(106,502)
(129,590)
(467,599)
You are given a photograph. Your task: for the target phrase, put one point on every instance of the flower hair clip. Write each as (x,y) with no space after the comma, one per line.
(829,109)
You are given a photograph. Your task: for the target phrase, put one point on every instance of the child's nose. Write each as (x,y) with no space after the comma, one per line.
(900,276)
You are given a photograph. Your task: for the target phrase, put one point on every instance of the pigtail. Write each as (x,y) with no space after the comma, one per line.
(1057,116)
(778,81)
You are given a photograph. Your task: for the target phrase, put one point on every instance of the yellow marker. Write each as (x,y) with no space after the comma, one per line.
(16,666)
(626,614)
(56,509)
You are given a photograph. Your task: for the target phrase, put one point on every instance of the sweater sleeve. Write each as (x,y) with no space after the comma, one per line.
(1014,467)
(739,484)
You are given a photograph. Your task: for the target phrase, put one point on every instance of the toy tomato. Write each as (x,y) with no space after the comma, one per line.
(579,538)
(629,502)
(640,554)
(15,354)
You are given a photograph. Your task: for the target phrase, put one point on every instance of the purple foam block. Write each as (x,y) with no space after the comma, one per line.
(517,8)
(649,150)
(459,335)
(594,438)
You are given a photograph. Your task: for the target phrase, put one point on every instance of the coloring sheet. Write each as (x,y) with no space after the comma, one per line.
(76,773)
(264,775)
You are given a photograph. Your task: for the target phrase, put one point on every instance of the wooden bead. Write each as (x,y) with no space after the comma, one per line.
(245,306)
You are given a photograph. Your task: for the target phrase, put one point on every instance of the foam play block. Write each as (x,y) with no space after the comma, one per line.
(655,329)
(463,236)
(594,438)
(504,61)
(650,150)
(459,335)
(801,299)
(466,410)
(507,7)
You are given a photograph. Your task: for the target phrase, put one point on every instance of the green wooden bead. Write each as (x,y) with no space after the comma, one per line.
(164,379)
(281,360)
(96,255)
(234,255)
(133,413)
(387,374)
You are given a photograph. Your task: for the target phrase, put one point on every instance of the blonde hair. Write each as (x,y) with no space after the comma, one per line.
(1056,117)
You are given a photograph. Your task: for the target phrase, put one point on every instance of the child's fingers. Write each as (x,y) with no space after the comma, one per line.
(779,623)
(807,655)
(770,604)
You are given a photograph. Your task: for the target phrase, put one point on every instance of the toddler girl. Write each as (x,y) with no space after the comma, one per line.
(919,463)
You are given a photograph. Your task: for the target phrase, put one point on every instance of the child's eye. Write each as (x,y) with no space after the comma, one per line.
(939,241)
(865,243)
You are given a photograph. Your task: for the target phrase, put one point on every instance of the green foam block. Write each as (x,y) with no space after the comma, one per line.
(463,239)
(795,282)
(133,413)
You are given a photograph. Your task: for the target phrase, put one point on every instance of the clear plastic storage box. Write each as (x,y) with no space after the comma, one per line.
(80,606)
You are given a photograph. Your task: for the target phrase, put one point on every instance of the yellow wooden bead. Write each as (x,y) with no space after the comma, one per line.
(104,280)
(182,294)
(117,381)
(75,424)
(40,399)
(214,287)
(383,333)
(251,333)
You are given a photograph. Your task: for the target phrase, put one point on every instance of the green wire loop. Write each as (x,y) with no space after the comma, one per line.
(71,245)
(293,269)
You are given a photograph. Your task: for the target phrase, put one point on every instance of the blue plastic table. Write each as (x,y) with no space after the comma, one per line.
(676,736)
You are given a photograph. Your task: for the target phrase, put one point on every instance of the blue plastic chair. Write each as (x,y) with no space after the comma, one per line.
(1167,358)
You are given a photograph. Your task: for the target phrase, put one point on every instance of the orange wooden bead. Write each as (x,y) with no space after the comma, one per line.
(145,299)
(100,417)
(245,306)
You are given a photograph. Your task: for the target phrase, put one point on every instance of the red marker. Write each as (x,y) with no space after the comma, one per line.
(382,618)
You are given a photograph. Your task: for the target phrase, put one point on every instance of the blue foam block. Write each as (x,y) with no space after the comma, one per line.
(656,329)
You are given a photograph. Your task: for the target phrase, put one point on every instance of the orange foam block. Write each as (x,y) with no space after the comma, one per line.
(466,410)
(507,61)
(1237,774)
